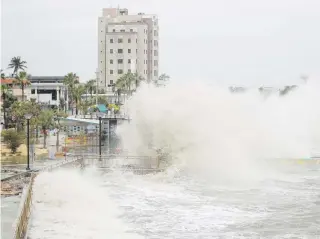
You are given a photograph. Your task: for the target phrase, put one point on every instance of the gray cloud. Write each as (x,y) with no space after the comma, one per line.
(248,42)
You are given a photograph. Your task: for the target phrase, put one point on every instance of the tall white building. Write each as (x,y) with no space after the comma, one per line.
(127,43)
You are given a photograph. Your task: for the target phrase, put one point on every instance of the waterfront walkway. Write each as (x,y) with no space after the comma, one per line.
(10,206)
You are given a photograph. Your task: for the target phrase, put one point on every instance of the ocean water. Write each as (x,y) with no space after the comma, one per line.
(231,173)
(175,204)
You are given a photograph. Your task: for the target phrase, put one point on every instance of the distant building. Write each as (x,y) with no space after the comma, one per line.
(127,43)
(48,90)
(15,89)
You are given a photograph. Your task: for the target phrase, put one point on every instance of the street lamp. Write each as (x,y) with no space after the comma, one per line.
(28,117)
(100,114)
(57,119)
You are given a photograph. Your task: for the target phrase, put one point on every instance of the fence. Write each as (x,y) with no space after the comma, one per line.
(21,223)
(120,161)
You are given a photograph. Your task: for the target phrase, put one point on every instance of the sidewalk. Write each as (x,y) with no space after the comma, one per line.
(10,205)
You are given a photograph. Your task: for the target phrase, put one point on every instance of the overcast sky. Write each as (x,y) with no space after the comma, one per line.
(242,42)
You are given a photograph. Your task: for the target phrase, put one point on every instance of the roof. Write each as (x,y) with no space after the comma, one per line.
(7,81)
(102,108)
(87,121)
(46,78)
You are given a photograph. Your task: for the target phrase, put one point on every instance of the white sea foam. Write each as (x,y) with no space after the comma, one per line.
(213,135)
(68,204)
(212,130)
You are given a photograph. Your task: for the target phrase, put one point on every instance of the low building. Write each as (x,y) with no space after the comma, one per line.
(15,89)
(48,90)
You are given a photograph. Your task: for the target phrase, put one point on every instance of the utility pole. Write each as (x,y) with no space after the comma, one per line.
(97,84)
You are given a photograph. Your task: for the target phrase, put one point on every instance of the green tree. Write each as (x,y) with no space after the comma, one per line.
(57,117)
(77,92)
(163,78)
(13,139)
(91,87)
(287,89)
(46,120)
(17,64)
(19,109)
(3,75)
(71,80)
(4,95)
(22,81)
(138,79)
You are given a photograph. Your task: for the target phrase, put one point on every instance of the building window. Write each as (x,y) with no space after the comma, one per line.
(120,61)
(155,63)
(120,71)
(155,42)
(120,40)
(129,50)
(129,40)
(129,61)
(111,40)
(111,61)
(114,30)
(33,91)
(111,82)
(122,30)
(111,51)
(155,33)
(129,71)
(155,53)
(136,50)
(131,30)
(136,40)
(155,73)
(111,72)
(120,50)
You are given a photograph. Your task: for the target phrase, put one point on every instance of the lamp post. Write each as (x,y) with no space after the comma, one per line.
(28,117)
(57,119)
(100,114)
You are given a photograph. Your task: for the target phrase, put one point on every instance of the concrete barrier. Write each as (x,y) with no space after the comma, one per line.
(21,223)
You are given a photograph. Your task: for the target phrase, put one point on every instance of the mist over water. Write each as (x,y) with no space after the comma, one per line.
(70,204)
(224,180)
(209,129)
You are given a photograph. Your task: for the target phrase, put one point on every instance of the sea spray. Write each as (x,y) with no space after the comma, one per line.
(73,204)
(210,130)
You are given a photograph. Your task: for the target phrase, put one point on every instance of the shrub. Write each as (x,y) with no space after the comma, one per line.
(13,139)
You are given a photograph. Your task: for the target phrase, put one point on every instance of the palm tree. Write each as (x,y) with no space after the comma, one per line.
(91,86)
(22,81)
(70,81)
(4,93)
(120,86)
(17,64)
(46,121)
(77,92)
(57,116)
(138,79)
(162,78)
(3,75)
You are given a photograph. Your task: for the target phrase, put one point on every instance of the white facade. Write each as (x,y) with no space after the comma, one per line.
(127,43)
(47,89)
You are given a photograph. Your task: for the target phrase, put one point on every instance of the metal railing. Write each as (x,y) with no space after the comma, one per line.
(106,116)
(61,164)
(21,223)
(121,161)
